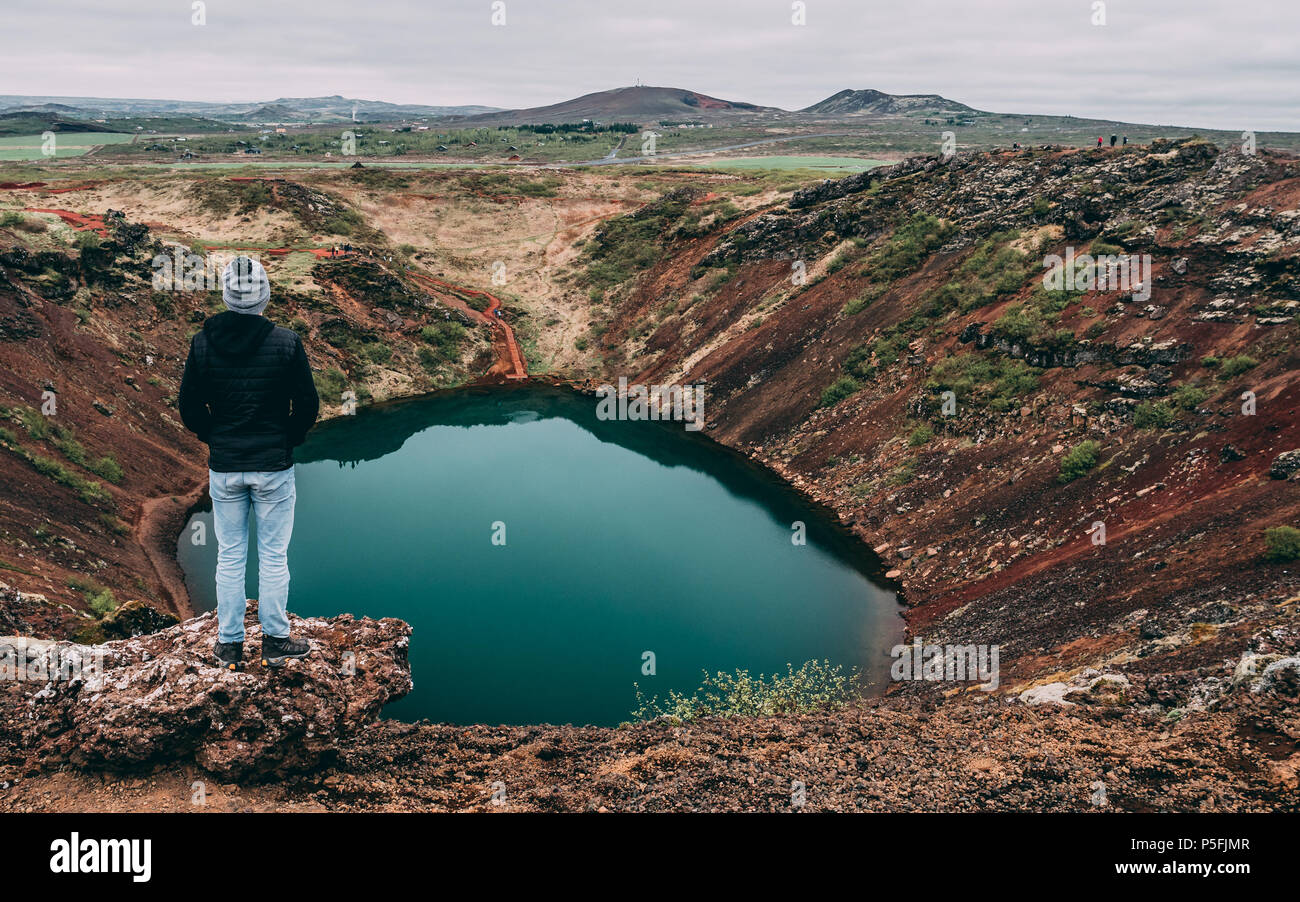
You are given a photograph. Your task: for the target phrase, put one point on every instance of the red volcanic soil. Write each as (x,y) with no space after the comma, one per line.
(709,103)
(81,222)
(510,361)
(42,186)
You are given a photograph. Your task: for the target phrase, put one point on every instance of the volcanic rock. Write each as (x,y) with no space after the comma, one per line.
(1285,464)
(161,697)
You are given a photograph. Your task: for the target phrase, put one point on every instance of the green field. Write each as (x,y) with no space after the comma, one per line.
(827,164)
(245,163)
(67,144)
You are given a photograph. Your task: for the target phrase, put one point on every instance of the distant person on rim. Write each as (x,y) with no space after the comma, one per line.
(248,394)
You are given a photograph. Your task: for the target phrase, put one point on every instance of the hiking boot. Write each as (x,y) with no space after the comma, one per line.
(230,655)
(276,651)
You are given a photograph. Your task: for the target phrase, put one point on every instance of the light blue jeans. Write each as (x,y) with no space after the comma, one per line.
(271,496)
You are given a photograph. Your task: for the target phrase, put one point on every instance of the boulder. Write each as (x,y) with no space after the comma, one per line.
(135,618)
(1285,465)
(1281,676)
(160,697)
(1150,629)
(1091,687)
(1271,672)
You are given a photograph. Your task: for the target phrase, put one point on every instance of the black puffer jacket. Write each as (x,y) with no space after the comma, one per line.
(248,393)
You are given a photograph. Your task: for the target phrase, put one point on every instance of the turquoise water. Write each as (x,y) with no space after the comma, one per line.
(621,538)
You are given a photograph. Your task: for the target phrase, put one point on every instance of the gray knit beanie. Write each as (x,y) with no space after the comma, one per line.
(244,286)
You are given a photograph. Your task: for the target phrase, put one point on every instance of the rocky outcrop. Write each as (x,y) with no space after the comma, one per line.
(834,189)
(1147,353)
(160,697)
(1285,465)
(135,618)
(1090,687)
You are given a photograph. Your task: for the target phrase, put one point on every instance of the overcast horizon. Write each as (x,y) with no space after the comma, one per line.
(1170,62)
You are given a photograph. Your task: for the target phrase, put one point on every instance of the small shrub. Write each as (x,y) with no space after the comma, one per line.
(65,440)
(378,352)
(863,300)
(446,338)
(51,468)
(992,381)
(864,489)
(99,599)
(92,492)
(858,363)
(1282,543)
(1079,461)
(1019,323)
(87,490)
(1189,397)
(102,602)
(114,525)
(1231,367)
(838,390)
(903,474)
(815,686)
(37,426)
(920,435)
(108,468)
(1154,415)
(430,361)
(330,384)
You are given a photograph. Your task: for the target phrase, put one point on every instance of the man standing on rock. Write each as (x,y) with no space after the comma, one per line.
(248,394)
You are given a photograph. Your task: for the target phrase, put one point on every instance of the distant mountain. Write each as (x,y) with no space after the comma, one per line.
(877,103)
(640,104)
(270,112)
(286,109)
(634,104)
(374,110)
(28,122)
(61,109)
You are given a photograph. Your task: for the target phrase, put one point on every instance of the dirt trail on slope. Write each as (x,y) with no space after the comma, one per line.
(161,520)
(510,362)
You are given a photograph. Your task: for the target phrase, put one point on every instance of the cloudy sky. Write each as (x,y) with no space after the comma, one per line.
(1212,63)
